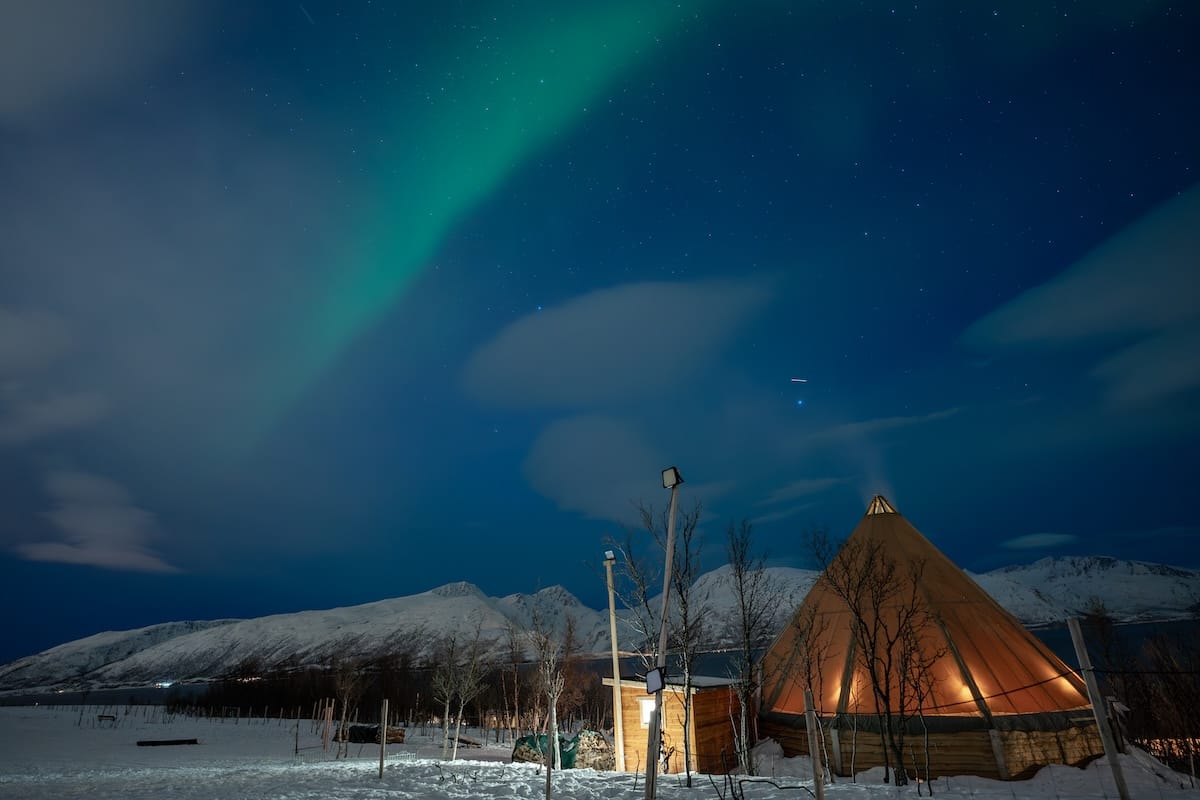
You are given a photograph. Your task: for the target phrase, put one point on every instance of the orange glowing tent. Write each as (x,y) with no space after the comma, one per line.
(982,694)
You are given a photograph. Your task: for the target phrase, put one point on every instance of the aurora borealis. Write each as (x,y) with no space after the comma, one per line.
(307,305)
(508,94)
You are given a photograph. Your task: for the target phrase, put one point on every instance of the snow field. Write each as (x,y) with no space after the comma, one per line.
(65,752)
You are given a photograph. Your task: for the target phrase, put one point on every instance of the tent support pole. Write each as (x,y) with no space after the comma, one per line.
(835,741)
(998,752)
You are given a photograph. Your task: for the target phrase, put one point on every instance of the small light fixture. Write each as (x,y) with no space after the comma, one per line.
(609,555)
(671,477)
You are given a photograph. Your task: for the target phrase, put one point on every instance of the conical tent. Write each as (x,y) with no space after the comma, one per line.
(963,664)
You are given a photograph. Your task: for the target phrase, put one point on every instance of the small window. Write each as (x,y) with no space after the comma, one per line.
(647,706)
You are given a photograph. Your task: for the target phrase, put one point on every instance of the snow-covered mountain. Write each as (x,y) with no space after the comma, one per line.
(1045,592)
(1132,591)
(195,650)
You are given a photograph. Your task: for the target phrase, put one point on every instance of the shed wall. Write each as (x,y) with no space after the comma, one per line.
(712,731)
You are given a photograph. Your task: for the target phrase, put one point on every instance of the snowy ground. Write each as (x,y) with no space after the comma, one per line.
(64,752)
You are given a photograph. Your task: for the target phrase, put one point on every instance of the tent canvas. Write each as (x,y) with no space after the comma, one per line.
(981,670)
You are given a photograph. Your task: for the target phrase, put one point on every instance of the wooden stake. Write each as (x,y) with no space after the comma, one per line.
(326,728)
(383,731)
(1099,709)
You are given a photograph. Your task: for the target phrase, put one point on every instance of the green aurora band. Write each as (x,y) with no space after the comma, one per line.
(509,102)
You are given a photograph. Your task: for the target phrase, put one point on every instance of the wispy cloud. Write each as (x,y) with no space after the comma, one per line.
(98,525)
(54,54)
(31,407)
(26,416)
(1035,541)
(866,428)
(781,514)
(1133,298)
(801,488)
(611,345)
(597,466)
(30,340)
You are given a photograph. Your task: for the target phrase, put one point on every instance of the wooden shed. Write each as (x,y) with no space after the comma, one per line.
(714,709)
(989,699)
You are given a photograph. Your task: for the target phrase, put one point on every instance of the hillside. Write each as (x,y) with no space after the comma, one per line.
(1041,593)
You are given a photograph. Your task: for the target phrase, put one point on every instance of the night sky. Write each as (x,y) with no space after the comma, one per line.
(313,304)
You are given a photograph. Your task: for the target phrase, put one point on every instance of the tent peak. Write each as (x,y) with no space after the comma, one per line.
(880,505)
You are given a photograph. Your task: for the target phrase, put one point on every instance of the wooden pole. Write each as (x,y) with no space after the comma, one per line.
(814,745)
(618,732)
(382,737)
(328,725)
(1099,710)
(654,739)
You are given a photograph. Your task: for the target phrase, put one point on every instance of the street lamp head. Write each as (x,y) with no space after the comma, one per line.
(609,555)
(671,478)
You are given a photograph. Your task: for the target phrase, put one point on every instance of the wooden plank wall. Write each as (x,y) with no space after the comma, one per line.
(714,713)
(962,753)
(633,731)
(712,731)
(1029,751)
(966,753)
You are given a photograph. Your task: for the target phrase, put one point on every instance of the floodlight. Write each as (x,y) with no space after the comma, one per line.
(655,680)
(609,555)
(671,478)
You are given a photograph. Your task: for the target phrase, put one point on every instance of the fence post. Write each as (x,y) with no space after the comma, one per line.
(1099,708)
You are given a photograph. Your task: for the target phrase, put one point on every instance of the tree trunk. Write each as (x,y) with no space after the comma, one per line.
(853,748)
(883,746)
(507,718)
(343,739)
(744,735)
(457,731)
(553,734)
(517,702)
(687,719)
(446,730)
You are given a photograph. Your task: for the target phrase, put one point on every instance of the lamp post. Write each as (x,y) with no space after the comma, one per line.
(610,558)
(671,479)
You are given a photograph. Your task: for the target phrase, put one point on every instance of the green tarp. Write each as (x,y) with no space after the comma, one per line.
(566,747)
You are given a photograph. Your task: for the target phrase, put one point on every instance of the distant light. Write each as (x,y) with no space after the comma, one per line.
(671,478)
(799,402)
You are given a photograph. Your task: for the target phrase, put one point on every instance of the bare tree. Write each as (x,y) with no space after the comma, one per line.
(548,651)
(635,580)
(349,683)
(577,679)
(755,600)
(514,639)
(811,647)
(1173,664)
(918,652)
(470,678)
(892,625)
(444,681)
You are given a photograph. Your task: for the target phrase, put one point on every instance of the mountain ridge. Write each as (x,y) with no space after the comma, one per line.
(1039,594)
